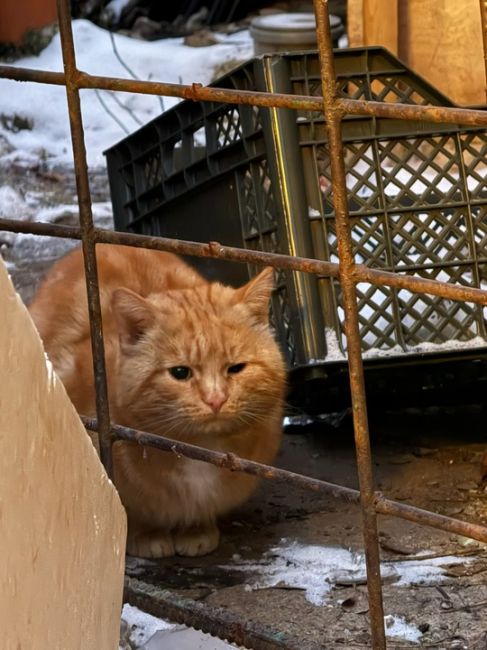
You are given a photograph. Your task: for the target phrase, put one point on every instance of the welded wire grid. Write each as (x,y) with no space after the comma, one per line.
(346,271)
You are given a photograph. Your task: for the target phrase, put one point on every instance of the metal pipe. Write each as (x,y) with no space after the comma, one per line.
(212,620)
(333,115)
(349,274)
(198,92)
(86,231)
(214,250)
(435,114)
(234,463)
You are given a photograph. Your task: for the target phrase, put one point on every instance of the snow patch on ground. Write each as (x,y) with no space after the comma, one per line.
(12,205)
(317,569)
(143,626)
(334,352)
(116,7)
(397,627)
(43,106)
(101,210)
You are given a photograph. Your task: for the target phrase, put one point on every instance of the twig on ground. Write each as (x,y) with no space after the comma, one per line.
(109,112)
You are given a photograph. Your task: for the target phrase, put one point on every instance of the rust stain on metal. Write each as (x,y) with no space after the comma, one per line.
(417,284)
(334,109)
(215,250)
(234,463)
(424,517)
(197,92)
(333,114)
(212,620)
(86,231)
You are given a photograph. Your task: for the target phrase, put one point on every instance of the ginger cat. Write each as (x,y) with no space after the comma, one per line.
(188,359)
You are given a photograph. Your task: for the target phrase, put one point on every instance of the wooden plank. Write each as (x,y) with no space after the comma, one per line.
(373,22)
(443,42)
(355,23)
(63,527)
(381,23)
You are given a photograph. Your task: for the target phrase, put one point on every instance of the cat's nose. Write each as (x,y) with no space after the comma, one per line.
(216,401)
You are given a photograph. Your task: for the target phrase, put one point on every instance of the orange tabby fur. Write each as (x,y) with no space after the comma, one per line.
(158,313)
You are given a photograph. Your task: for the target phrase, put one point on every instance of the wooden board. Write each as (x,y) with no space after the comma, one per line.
(63,527)
(444,44)
(439,39)
(373,22)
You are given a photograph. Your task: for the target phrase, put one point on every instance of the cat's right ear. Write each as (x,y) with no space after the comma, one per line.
(133,315)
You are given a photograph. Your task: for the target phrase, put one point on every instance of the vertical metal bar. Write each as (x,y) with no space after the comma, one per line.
(87,231)
(333,116)
(483,15)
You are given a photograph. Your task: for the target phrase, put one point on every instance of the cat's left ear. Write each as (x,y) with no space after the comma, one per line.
(256,294)
(133,315)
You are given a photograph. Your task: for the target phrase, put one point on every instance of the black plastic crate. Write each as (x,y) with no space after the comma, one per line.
(260,179)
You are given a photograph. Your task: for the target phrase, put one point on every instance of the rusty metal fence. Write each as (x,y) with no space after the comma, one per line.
(346,272)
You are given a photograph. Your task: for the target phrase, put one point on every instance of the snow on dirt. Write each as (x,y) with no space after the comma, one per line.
(318,569)
(142,626)
(42,109)
(398,628)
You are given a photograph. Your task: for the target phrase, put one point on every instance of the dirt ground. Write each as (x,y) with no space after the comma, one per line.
(429,458)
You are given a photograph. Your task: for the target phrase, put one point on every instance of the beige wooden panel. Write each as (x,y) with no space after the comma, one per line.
(444,44)
(373,22)
(439,39)
(62,526)
(355,23)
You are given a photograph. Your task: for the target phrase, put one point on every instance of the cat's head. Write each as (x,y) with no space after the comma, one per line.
(200,360)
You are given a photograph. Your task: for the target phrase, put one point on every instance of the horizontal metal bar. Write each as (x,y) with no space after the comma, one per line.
(212,620)
(198,92)
(215,250)
(226,461)
(212,250)
(391,508)
(234,463)
(417,284)
(436,114)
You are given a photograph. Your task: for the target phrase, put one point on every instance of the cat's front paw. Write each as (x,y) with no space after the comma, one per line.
(158,543)
(196,541)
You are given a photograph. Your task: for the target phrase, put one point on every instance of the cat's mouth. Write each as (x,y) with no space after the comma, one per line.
(216,423)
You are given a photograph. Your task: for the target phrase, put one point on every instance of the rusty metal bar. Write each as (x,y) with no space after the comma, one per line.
(435,114)
(227,461)
(334,109)
(360,273)
(198,92)
(234,463)
(86,231)
(483,16)
(212,620)
(333,115)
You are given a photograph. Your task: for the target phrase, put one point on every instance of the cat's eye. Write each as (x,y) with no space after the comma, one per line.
(180,372)
(238,367)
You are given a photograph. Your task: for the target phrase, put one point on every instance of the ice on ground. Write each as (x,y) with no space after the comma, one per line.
(317,569)
(143,626)
(397,627)
(43,106)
